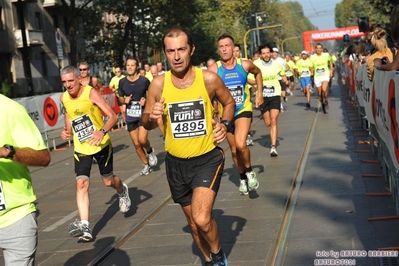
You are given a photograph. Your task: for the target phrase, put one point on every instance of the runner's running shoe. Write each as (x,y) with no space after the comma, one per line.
(243,187)
(146,170)
(124,200)
(273,151)
(253,183)
(87,236)
(152,158)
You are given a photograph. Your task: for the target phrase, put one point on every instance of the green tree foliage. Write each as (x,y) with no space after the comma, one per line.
(295,23)
(347,12)
(76,11)
(137,26)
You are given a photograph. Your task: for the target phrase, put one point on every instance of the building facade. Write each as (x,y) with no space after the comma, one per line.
(34,47)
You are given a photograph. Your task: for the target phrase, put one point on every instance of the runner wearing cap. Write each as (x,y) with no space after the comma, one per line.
(303,69)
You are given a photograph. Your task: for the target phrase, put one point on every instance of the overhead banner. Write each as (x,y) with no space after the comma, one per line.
(315,36)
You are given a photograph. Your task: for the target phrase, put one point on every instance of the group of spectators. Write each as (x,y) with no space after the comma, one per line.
(378,49)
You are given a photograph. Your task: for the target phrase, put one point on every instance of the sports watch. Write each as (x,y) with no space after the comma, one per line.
(12,151)
(103,131)
(228,125)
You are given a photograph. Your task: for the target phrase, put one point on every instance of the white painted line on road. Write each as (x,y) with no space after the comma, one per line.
(61,222)
(70,216)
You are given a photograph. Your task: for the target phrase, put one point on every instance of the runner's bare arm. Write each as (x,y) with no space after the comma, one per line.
(154,105)
(97,84)
(216,88)
(67,131)
(251,68)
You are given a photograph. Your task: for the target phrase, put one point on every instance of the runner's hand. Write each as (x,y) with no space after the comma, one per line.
(219,131)
(157,109)
(142,101)
(128,99)
(259,100)
(65,134)
(96,138)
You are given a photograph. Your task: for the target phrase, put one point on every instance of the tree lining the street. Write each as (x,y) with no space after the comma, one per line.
(138,25)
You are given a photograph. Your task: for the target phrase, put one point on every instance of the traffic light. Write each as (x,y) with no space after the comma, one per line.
(363,24)
(346,38)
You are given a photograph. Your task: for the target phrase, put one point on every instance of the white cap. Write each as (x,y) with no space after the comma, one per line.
(304,52)
(275,49)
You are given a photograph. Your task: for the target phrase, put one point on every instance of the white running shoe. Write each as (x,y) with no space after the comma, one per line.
(152,158)
(273,151)
(243,188)
(249,140)
(253,183)
(146,170)
(124,200)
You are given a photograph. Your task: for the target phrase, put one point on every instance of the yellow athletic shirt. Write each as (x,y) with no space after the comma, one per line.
(270,72)
(84,116)
(188,118)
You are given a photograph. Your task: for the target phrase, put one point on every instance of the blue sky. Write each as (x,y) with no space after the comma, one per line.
(319,12)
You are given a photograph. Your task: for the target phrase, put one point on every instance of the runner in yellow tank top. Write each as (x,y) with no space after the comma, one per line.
(83,106)
(194,163)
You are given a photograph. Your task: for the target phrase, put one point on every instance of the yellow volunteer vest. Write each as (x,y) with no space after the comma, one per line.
(187,118)
(84,116)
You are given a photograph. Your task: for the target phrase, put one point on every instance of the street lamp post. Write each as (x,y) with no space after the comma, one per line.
(290,38)
(257,28)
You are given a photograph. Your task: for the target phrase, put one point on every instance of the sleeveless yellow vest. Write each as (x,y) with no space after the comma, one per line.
(84,116)
(187,118)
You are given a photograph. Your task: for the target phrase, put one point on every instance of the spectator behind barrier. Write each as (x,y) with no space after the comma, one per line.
(379,42)
(394,64)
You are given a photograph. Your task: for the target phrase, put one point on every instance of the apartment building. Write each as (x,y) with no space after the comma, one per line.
(34,46)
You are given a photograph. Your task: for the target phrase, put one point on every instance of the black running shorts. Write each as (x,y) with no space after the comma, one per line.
(104,160)
(270,103)
(134,125)
(186,174)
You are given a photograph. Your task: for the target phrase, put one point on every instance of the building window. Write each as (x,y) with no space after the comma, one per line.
(55,21)
(38,21)
(44,64)
(1,18)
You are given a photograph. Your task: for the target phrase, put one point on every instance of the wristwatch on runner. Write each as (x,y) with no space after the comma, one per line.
(12,151)
(103,131)
(228,125)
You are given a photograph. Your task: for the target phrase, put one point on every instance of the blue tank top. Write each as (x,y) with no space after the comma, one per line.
(235,80)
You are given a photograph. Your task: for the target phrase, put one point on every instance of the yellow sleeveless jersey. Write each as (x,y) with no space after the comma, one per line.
(187,118)
(84,116)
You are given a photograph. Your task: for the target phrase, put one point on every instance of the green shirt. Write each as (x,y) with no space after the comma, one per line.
(270,72)
(290,71)
(303,67)
(16,192)
(320,63)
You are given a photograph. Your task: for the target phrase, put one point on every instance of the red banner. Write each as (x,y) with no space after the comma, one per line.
(110,97)
(315,36)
